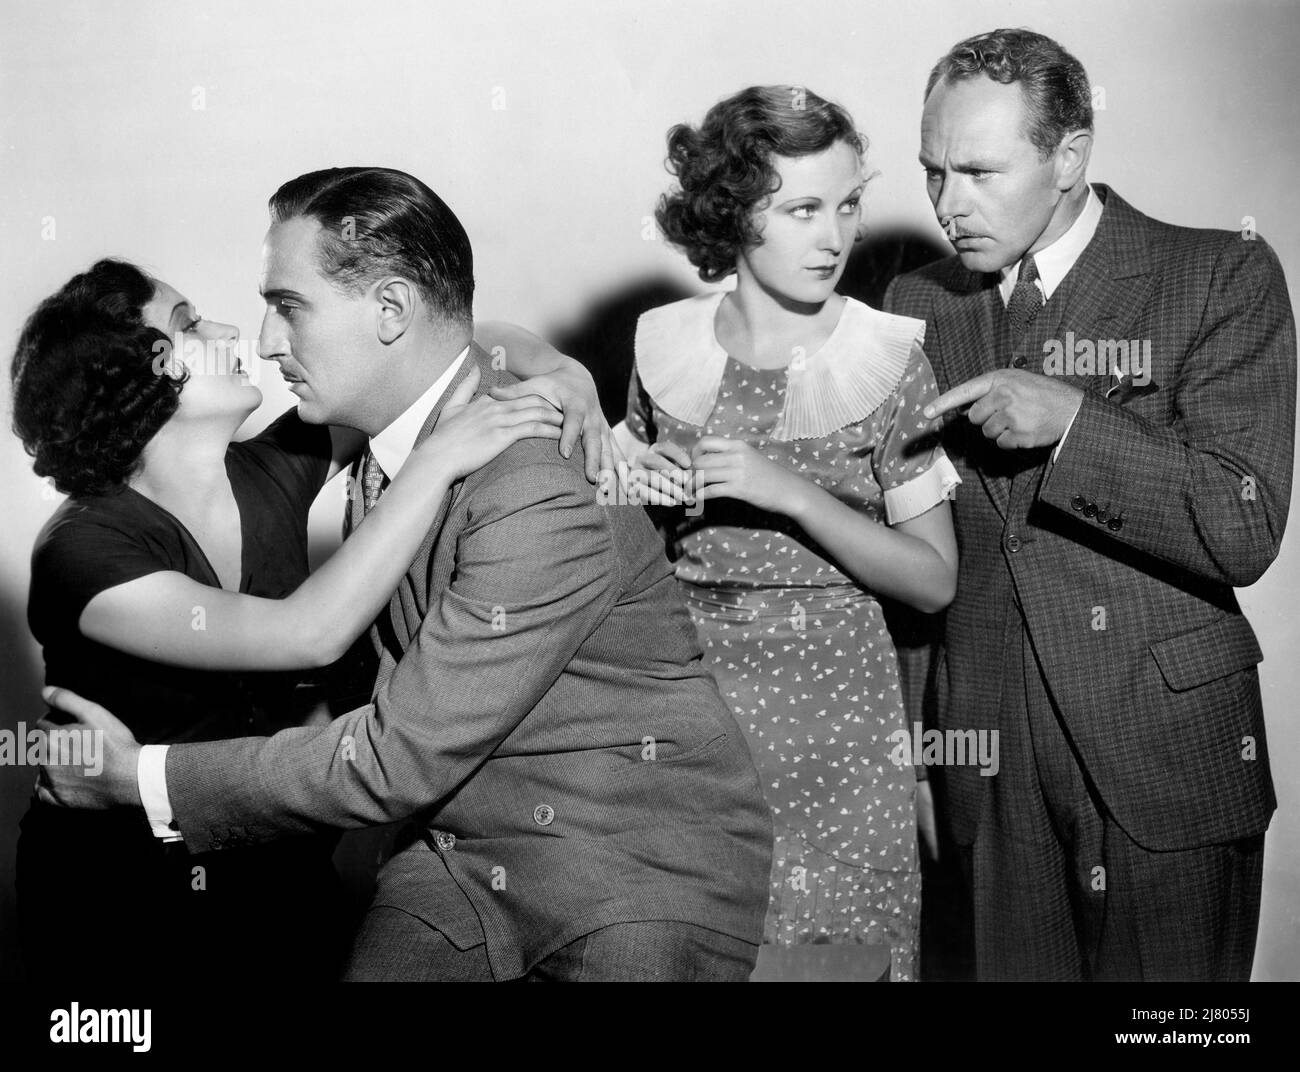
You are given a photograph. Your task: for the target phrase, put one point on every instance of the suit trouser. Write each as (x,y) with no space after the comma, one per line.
(1062,892)
(393,945)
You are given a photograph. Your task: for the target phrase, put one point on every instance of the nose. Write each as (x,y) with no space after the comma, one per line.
(271,345)
(948,203)
(216,331)
(832,236)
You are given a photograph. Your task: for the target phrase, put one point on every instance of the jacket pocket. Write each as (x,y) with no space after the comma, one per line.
(1208,653)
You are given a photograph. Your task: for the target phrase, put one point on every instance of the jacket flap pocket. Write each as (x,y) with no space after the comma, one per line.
(1208,653)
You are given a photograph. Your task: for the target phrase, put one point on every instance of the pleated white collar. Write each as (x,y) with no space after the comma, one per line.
(681,362)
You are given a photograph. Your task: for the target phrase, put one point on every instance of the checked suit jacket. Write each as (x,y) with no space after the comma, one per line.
(1123,553)
(542,713)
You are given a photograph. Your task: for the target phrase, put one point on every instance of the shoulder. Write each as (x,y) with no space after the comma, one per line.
(913,293)
(80,523)
(678,358)
(1194,253)
(528,474)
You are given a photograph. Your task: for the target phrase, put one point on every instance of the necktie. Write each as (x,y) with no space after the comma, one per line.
(373,482)
(1025,301)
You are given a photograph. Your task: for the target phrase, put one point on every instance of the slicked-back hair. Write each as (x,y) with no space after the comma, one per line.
(378,221)
(1054,83)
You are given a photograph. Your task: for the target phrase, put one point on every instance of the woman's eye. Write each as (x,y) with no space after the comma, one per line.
(193,324)
(850,206)
(803,212)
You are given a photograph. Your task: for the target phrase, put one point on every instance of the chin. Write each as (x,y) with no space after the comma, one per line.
(817,293)
(312,412)
(982,260)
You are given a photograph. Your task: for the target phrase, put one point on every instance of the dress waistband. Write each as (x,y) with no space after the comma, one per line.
(779,601)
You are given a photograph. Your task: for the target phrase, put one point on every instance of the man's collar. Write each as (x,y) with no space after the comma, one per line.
(1055,261)
(394,444)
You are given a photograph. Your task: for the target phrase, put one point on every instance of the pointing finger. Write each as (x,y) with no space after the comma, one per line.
(961,395)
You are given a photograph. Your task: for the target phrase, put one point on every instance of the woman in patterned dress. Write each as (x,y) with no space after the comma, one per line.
(785,421)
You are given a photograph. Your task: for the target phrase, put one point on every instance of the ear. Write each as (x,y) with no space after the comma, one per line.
(1072,158)
(398,306)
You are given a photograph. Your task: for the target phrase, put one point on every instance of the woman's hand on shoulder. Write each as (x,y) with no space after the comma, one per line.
(471,431)
(572,390)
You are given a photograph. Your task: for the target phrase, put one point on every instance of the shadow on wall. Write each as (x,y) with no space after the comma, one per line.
(20,701)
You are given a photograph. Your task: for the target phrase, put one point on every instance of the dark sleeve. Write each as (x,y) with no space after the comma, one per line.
(77,558)
(1208,493)
(293,453)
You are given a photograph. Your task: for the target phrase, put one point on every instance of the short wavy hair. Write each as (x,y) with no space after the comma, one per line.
(1054,83)
(724,168)
(87,395)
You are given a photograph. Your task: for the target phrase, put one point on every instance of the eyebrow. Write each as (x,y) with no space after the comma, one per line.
(857,189)
(965,166)
(182,304)
(276,293)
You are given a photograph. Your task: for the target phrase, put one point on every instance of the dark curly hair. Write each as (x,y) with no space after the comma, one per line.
(86,394)
(1054,83)
(724,169)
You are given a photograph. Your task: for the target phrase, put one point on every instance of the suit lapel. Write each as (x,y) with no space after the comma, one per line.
(1100,298)
(967,342)
(407,607)
(1109,284)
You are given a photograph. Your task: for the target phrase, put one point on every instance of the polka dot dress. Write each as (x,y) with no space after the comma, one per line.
(802,654)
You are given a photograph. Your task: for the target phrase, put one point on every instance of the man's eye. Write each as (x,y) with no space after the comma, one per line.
(192,324)
(931,174)
(850,206)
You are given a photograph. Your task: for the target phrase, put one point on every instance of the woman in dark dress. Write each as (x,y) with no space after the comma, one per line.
(172,586)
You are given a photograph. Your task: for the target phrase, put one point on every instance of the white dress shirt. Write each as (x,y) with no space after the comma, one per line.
(391,448)
(1054,263)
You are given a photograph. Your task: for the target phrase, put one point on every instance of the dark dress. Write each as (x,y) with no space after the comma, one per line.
(99,896)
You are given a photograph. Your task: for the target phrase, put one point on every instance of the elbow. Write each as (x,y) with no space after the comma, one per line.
(939,594)
(321,646)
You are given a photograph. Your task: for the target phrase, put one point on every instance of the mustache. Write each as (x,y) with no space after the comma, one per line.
(953,232)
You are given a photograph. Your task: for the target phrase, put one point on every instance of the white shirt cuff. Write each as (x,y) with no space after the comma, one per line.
(1059,445)
(151,777)
(921,493)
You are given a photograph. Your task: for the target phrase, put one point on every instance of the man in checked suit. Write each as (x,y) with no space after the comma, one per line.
(583,804)
(1105,517)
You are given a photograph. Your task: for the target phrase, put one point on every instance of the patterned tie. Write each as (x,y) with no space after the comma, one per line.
(1026,300)
(373,482)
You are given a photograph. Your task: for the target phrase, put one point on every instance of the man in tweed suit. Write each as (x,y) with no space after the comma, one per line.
(583,804)
(1126,459)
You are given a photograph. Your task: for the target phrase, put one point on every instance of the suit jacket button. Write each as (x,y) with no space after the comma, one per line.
(1090,510)
(445,841)
(1019,362)
(1078,502)
(1103,516)
(543,815)
(1013,543)
(1115,524)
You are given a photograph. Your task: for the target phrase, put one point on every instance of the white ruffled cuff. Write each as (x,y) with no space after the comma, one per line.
(919,494)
